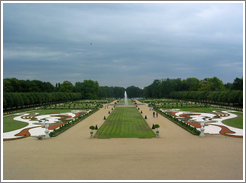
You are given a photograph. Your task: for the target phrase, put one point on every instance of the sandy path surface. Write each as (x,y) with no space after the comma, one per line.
(175,155)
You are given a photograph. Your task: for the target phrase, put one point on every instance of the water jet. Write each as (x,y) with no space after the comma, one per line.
(126,101)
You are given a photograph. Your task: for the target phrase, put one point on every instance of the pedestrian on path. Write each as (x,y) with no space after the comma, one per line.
(156,114)
(153,114)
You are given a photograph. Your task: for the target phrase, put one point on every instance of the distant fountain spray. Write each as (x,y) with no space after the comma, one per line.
(126,101)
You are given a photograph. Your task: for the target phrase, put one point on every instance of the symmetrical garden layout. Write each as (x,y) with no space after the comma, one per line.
(212,120)
(125,122)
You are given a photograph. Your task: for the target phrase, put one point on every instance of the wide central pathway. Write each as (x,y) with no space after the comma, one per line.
(175,155)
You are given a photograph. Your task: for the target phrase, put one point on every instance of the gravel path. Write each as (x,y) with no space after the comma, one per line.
(175,155)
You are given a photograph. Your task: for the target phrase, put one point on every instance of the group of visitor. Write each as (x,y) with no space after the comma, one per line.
(155,114)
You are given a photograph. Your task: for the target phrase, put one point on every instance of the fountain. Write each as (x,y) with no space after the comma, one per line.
(126,101)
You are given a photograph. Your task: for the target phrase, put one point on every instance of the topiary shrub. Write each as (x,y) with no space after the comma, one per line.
(157,126)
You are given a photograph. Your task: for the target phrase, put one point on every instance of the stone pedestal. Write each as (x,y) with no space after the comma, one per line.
(157,133)
(91,134)
(202,130)
(47,136)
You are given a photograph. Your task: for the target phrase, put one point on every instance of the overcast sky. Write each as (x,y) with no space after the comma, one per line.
(122,44)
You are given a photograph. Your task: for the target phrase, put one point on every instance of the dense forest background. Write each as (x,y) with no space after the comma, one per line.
(19,93)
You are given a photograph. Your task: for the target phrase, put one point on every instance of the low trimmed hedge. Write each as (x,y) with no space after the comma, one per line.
(182,124)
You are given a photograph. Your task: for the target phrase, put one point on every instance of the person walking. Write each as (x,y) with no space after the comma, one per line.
(153,114)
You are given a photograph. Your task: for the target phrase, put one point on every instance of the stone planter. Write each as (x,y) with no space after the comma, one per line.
(157,133)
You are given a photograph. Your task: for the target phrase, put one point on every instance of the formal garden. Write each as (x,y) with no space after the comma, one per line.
(123,122)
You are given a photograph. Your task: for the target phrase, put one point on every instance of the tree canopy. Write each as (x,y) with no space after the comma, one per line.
(24,92)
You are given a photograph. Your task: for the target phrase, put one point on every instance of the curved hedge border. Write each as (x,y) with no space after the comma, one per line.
(68,125)
(182,124)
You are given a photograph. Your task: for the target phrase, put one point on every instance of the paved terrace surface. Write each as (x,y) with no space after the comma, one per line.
(175,155)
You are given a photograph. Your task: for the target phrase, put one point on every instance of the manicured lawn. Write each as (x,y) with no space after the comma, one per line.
(10,125)
(235,122)
(125,122)
(123,101)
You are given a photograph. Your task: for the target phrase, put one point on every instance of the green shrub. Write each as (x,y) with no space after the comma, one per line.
(157,126)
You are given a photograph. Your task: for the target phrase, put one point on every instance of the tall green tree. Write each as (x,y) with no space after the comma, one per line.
(17,100)
(4,103)
(9,99)
(134,92)
(66,86)
(237,84)
(154,88)
(217,84)
(119,92)
(91,89)
(7,87)
(190,84)
(26,100)
(205,86)
(107,92)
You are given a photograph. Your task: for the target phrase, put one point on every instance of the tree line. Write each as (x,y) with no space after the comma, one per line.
(26,93)
(164,87)
(234,97)
(29,99)
(118,92)
(33,92)
(207,90)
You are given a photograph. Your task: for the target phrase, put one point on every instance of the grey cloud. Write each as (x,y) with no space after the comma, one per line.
(131,43)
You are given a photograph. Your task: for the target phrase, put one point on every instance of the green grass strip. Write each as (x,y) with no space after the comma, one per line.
(123,101)
(9,124)
(235,122)
(125,122)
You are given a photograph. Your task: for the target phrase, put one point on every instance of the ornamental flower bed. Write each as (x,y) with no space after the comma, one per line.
(192,129)
(58,123)
(191,121)
(66,126)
